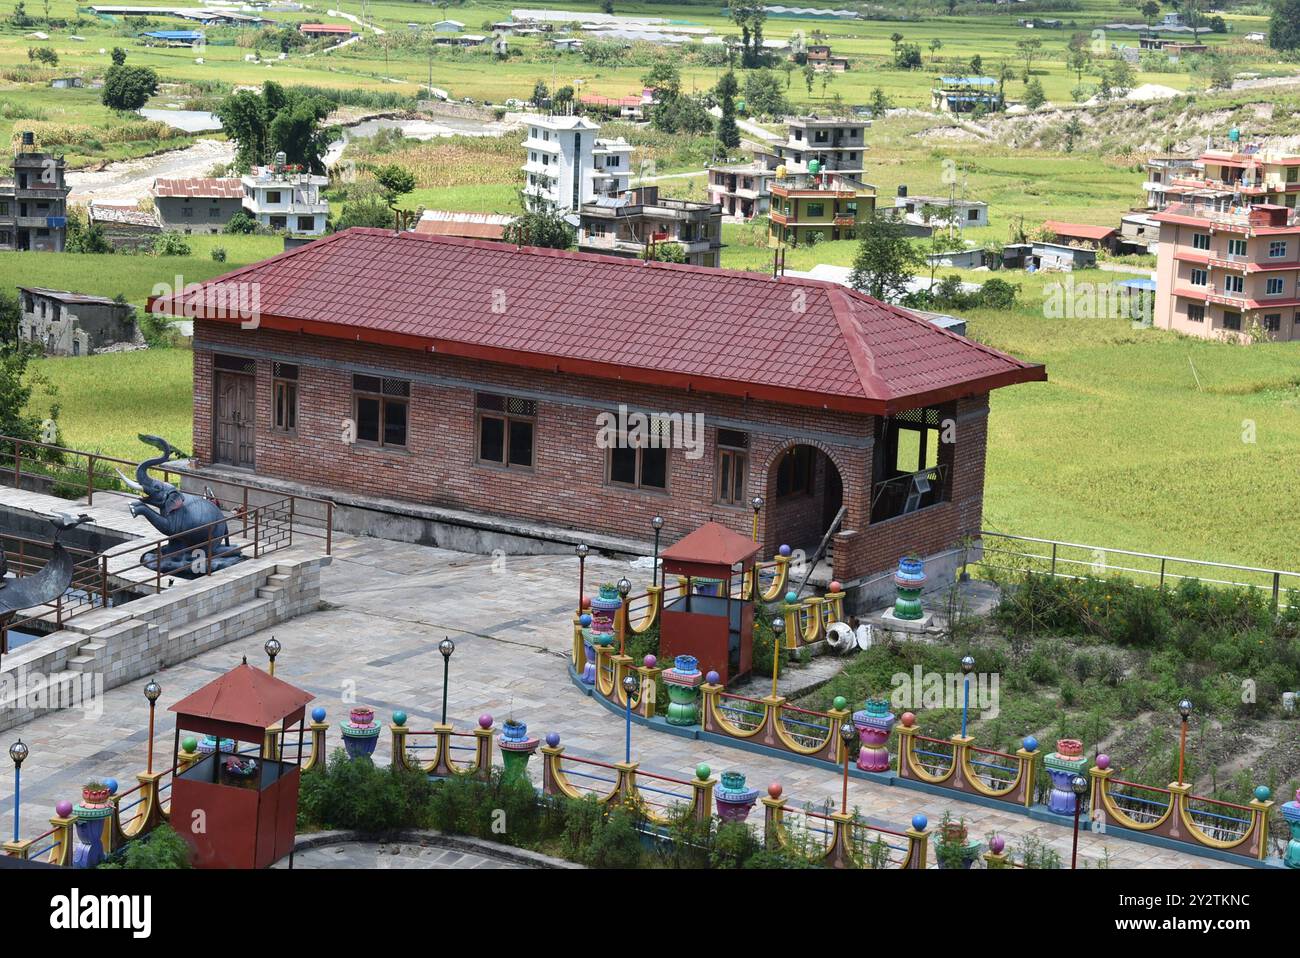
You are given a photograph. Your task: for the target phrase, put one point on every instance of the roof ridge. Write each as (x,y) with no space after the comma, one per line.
(864,361)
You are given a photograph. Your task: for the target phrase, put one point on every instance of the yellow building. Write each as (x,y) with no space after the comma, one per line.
(815,207)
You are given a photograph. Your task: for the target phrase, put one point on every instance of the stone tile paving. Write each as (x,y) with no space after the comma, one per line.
(388,855)
(386,606)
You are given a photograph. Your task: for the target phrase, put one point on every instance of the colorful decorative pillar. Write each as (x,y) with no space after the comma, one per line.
(1063,765)
(599,633)
(874,723)
(909,580)
(516,749)
(89,816)
(1291,814)
(360,732)
(588,653)
(733,799)
(683,681)
(773,816)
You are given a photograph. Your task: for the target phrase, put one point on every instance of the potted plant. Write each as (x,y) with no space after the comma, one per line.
(94,792)
(951,848)
(513,730)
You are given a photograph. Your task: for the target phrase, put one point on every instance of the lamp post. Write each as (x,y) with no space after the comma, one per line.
(778,630)
(1079,785)
(756,504)
(17,752)
(1185,710)
(581,551)
(151,692)
(272,649)
(629,686)
(624,587)
(847,733)
(657,523)
(967,667)
(446,647)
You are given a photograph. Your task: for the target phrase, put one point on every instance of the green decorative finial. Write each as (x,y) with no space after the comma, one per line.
(702,772)
(840,702)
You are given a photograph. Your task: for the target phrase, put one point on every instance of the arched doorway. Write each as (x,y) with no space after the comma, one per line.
(805,492)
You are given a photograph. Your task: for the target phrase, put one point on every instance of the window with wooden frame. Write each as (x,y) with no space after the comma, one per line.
(794,472)
(379,407)
(733,466)
(507,430)
(912,460)
(644,464)
(284,396)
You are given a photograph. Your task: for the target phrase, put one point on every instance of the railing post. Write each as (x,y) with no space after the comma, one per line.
(244,513)
(773,816)
(292,501)
(90,480)
(702,793)
(329,527)
(1053,572)
(257,521)
(1162,573)
(18,463)
(317,757)
(399,741)
(918,843)
(1277,585)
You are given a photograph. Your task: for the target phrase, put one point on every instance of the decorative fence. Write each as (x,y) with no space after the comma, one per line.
(959,764)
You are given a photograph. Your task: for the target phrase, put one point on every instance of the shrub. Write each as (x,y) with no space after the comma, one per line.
(219,254)
(170,244)
(161,848)
(356,794)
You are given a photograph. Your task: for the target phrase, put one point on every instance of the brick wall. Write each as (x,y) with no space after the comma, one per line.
(567,486)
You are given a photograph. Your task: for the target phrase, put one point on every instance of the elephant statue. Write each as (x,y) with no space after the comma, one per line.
(198,539)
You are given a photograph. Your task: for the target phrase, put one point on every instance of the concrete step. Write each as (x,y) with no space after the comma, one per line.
(81,663)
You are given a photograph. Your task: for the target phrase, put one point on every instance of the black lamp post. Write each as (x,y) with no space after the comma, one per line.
(657,523)
(757,505)
(272,649)
(967,667)
(778,630)
(1079,785)
(17,752)
(581,551)
(1184,710)
(624,587)
(446,647)
(151,692)
(629,686)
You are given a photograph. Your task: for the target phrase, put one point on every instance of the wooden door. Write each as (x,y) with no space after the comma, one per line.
(233,435)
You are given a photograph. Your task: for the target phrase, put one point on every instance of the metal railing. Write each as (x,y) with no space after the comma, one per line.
(1074,560)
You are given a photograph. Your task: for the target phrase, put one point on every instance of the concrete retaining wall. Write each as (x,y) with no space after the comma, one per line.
(108,647)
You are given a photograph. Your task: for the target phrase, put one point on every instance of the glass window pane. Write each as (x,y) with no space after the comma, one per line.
(654,468)
(394,424)
(491,439)
(622,465)
(909,451)
(367,419)
(521,443)
(738,491)
(724,477)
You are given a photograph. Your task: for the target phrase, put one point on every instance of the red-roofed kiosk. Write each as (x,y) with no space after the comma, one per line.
(705,620)
(237,810)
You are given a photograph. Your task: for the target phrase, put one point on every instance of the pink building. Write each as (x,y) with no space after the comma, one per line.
(1219,273)
(1246,174)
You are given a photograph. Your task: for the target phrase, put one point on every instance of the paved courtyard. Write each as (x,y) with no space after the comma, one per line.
(387,606)
(392,855)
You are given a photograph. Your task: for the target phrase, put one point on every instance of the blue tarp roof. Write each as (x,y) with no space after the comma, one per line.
(1146,284)
(968,81)
(175,34)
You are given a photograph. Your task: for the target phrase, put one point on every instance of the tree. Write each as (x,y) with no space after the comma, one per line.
(935,46)
(607,6)
(1284,25)
(908,57)
(18,418)
(1150,10)
(663,77)
(1121,77)
(952,7)
(43,55)
(395,181)
(1029,50)
(277,120)
(895,38)
(1080,61)
(541,93)
(809,76)
(119,56)
(128,88)
(885,261)
(365,209)
(879,102)
(545,227)
(763,94)
(1073,130)
(977,65)
(241,224)
(750,18)
(787,67)
(728,132)
(563,97)
(1034,97)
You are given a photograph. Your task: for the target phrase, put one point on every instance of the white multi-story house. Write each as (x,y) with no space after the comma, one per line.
(282,197)
(568,164)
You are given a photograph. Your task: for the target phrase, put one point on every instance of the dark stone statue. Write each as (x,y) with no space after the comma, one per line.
(198,539)
(28,592)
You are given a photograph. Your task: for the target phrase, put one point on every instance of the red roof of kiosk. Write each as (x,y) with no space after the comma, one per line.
(244,696)
(711,544)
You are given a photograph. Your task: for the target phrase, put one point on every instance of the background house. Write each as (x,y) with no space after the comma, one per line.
(63,323)
(196,204)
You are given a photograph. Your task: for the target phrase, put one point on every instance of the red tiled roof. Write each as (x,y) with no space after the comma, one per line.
(711,544)
(794,341)
(244,696)
(472,225)
(226,188)
(1080,229)
(324,28)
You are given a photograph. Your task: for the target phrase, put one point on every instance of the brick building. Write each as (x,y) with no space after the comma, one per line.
(473,376)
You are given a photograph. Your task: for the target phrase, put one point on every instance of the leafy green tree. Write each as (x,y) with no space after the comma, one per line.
(546,227)
(128,88)
(935,46)
(241,224)
(1034,97)
(896,39)
(119,56)
(1073,130)
(43,55)
(977,65)
(885,261)
(879,102)
(1284,25)
(763,94)
(274,120)
(664,78)
(395,180)
(170,244)
(1029,50)
(908,57)
(540,93)
(18,384)
(728,131)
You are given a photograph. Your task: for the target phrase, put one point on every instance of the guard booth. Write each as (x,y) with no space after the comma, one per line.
(705,620)
(245,800)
